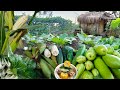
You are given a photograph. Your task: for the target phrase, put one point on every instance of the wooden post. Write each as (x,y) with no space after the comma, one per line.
(100,27)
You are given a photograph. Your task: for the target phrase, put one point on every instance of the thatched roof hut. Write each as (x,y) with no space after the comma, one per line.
(94,22)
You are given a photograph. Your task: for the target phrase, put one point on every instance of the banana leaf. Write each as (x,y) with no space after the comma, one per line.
(9,17)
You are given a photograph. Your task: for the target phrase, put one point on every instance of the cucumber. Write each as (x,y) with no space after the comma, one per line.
(116,73)
(80,70)
(69,51)
(80,51)
(64,54)
(112,61)
(60,56)
(103,69)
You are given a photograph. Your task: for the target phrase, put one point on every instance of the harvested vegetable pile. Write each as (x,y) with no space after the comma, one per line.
(95,57)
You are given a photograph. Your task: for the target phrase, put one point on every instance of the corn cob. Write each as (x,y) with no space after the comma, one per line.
(20,22)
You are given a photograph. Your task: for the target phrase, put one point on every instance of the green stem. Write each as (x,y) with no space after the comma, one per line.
(2,31)
(6,42)
(33,17)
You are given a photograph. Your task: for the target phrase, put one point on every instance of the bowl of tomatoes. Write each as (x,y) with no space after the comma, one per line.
(65,70)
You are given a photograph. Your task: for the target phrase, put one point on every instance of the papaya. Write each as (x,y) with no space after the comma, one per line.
(110,50)
(112,61)
(116,73)
(103,69)
(81,59)
(89,65)
(90,54)
(116,53)
(87,75)
(100,49)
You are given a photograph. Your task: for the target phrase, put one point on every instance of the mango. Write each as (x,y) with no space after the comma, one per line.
(87,75)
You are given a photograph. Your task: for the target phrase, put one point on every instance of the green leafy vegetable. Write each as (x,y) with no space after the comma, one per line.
(24,66)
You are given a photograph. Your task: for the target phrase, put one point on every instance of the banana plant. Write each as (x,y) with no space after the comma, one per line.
(10,31)
(7,27)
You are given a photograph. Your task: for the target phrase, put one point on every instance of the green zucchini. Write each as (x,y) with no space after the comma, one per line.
(69,51)
(60,56)
(64,54)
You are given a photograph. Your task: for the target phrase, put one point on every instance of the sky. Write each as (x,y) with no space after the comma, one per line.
(71,15)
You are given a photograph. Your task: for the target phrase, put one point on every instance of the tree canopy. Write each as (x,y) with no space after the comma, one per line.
(51,25)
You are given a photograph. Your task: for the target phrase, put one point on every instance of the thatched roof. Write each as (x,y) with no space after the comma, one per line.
(94,17)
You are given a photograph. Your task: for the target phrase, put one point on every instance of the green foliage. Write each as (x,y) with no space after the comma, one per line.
(91,40)
(24,66)
(61,39)
(115,24)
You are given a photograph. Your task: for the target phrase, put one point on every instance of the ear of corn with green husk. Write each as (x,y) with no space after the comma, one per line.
(20,22)
(15,40)
(17,36)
